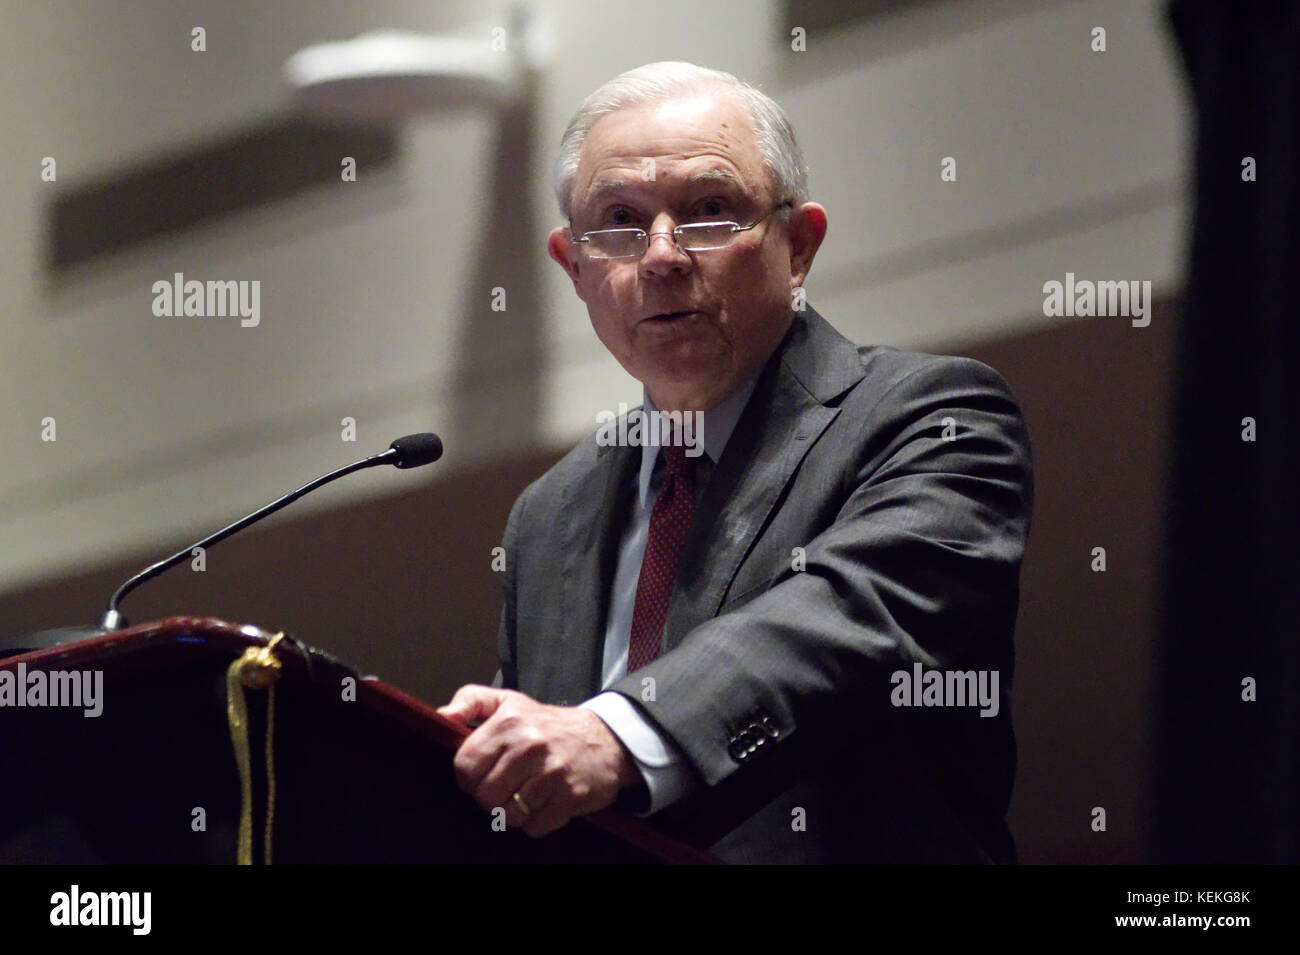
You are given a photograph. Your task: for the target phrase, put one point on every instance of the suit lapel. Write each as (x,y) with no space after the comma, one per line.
(594,514)
(785,416)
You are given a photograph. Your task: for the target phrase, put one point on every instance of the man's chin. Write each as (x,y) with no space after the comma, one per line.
(687,363)
(684,338)
(690,381)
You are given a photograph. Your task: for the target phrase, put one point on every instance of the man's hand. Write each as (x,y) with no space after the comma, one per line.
(562,761)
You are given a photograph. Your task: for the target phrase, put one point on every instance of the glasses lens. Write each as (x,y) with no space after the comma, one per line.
(706,235)
(615,243)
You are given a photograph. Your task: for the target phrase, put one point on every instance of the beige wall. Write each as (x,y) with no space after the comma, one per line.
(375,295)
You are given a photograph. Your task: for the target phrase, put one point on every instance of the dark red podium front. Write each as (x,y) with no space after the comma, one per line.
(361,771)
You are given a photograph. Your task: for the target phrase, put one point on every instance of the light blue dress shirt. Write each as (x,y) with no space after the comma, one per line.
(666,774)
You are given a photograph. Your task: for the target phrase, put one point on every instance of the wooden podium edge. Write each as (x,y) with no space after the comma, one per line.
(155,645)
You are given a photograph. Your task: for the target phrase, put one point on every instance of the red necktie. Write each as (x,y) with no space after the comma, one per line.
(669,523)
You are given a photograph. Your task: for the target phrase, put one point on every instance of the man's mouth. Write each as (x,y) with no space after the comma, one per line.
(669,316)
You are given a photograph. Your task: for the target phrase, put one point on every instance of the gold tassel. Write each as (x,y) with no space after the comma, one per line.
(257,669)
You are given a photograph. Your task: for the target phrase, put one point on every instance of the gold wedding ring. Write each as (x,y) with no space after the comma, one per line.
(523,806)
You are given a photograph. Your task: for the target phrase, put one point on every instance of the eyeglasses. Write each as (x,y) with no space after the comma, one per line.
(693,237)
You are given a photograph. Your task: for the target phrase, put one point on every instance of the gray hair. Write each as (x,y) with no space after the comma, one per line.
(773,133)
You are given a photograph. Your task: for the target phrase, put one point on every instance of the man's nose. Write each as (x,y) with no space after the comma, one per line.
(663,255)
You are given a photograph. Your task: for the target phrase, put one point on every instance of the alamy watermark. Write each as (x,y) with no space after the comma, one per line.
(212,299)
(75,907)
(921,687)
(1086,298)
(42,688)
(657,429)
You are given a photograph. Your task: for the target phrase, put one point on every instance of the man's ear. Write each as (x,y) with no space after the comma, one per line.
(807,230)
(565,253)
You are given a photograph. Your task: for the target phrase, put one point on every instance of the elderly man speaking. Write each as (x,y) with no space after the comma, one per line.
(795,646)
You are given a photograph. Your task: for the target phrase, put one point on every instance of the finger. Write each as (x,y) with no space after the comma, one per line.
(517,765)
(490,752)
(473,703)
(477,756)
(535,797)
(552,814)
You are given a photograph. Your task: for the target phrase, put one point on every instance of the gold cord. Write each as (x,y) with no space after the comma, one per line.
(257,669)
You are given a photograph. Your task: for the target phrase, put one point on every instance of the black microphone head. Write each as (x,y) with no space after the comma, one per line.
(416,450)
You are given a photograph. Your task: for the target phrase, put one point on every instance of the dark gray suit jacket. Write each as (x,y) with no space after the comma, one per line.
(775,677)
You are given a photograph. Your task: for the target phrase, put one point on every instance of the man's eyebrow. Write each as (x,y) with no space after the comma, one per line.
(603,187)
(717,174)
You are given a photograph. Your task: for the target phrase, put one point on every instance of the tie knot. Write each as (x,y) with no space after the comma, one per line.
(676,461)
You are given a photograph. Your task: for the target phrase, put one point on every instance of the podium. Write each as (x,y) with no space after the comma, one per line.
(360,772)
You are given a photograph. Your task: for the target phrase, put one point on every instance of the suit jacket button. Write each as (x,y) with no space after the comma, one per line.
(739,746)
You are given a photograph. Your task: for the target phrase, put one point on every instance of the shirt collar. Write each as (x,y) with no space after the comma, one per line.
(718,424)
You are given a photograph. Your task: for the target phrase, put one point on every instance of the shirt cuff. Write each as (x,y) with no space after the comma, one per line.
(666,773)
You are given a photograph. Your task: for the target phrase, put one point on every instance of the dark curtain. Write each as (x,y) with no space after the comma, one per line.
(1226,769)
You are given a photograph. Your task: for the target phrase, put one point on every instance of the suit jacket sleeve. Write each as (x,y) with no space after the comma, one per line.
(916,559)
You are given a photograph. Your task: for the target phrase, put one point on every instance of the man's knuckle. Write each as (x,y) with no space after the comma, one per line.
(553,771)
(534,744)
(514,723)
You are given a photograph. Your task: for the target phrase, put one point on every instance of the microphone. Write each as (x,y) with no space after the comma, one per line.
(411,451)
(415,450)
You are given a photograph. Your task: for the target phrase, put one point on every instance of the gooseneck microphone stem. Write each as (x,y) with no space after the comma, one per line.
(114,620)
